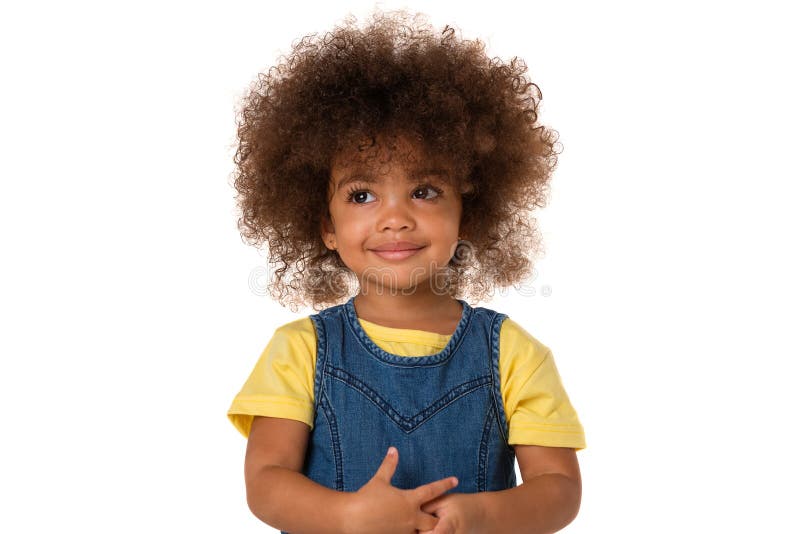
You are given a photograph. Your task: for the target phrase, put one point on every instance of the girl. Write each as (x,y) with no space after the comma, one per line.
(391,169)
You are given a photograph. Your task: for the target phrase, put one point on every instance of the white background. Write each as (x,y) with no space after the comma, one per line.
(129,325)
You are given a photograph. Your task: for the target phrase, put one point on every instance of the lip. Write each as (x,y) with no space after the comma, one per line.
(397,246)
(397,250)
(396,254)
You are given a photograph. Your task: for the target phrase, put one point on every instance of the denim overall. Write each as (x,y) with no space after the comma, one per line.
(443,412)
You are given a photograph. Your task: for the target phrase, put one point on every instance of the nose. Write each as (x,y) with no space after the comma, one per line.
(395,214)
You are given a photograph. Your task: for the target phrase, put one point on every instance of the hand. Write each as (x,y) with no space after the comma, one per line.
(380,507)
(458,513)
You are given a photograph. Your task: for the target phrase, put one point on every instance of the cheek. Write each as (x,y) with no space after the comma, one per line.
(353,224)
(451,221)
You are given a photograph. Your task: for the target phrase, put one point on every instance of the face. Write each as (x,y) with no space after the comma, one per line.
(394,220)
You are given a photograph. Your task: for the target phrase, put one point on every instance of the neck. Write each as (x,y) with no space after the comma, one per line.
(405,311)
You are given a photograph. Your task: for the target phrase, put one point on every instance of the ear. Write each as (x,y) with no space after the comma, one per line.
(328,232)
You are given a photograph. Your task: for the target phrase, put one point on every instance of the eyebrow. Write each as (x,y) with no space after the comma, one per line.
(365,175)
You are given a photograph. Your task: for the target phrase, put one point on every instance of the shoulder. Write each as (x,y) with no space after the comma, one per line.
(281,383)
(300,333)
(517,344)
(537,406)
(292,344)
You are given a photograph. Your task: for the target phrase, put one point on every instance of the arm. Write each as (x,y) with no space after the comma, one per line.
(277,493)
(281,496)
(546,501)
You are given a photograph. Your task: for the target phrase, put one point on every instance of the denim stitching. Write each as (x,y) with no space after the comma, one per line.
(327,410)
(484,451)
(321,359)
(497,395)
(404,361)
(321,402)
(494,458)
(407,424)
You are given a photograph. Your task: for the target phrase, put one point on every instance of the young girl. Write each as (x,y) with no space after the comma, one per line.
(391,170)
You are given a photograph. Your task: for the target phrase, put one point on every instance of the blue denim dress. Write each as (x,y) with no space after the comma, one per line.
(443,412)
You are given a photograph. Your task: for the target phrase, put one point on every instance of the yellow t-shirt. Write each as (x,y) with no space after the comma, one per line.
(537,407)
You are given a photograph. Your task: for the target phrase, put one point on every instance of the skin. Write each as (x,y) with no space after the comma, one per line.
(281,496)
(394,202)
(398,206)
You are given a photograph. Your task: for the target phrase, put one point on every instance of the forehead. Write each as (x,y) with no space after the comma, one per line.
(372,160)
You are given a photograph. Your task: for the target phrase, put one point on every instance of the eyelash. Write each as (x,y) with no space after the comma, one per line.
(358,189)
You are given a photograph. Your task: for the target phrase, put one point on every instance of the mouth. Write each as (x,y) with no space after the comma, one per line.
(398,254)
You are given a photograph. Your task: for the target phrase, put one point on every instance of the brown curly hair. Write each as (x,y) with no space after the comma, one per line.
(395,75)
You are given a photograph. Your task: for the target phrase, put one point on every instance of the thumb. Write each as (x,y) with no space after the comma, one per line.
(388,466)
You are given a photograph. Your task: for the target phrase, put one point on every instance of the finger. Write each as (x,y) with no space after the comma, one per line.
(444,527)
(430,507)
(430,491)
(425,522)
(388,466)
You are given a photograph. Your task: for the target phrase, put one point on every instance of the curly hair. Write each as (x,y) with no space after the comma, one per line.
(395,75)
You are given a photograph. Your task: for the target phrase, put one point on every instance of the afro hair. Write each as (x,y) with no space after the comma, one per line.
(395,75)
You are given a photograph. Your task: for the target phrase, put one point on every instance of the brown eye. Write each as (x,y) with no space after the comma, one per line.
(357,196)
(427,188)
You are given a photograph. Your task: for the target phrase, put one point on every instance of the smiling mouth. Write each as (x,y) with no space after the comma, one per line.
(396,254)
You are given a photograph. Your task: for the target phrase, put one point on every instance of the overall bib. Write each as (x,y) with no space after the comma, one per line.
(444,412)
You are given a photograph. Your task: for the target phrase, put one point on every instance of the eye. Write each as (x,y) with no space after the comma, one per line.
(428,187)
(356,195)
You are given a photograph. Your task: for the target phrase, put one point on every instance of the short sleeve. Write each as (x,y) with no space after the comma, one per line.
(282,381)
(537,406)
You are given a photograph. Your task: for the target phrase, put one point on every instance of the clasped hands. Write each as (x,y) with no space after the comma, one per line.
(380,507)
